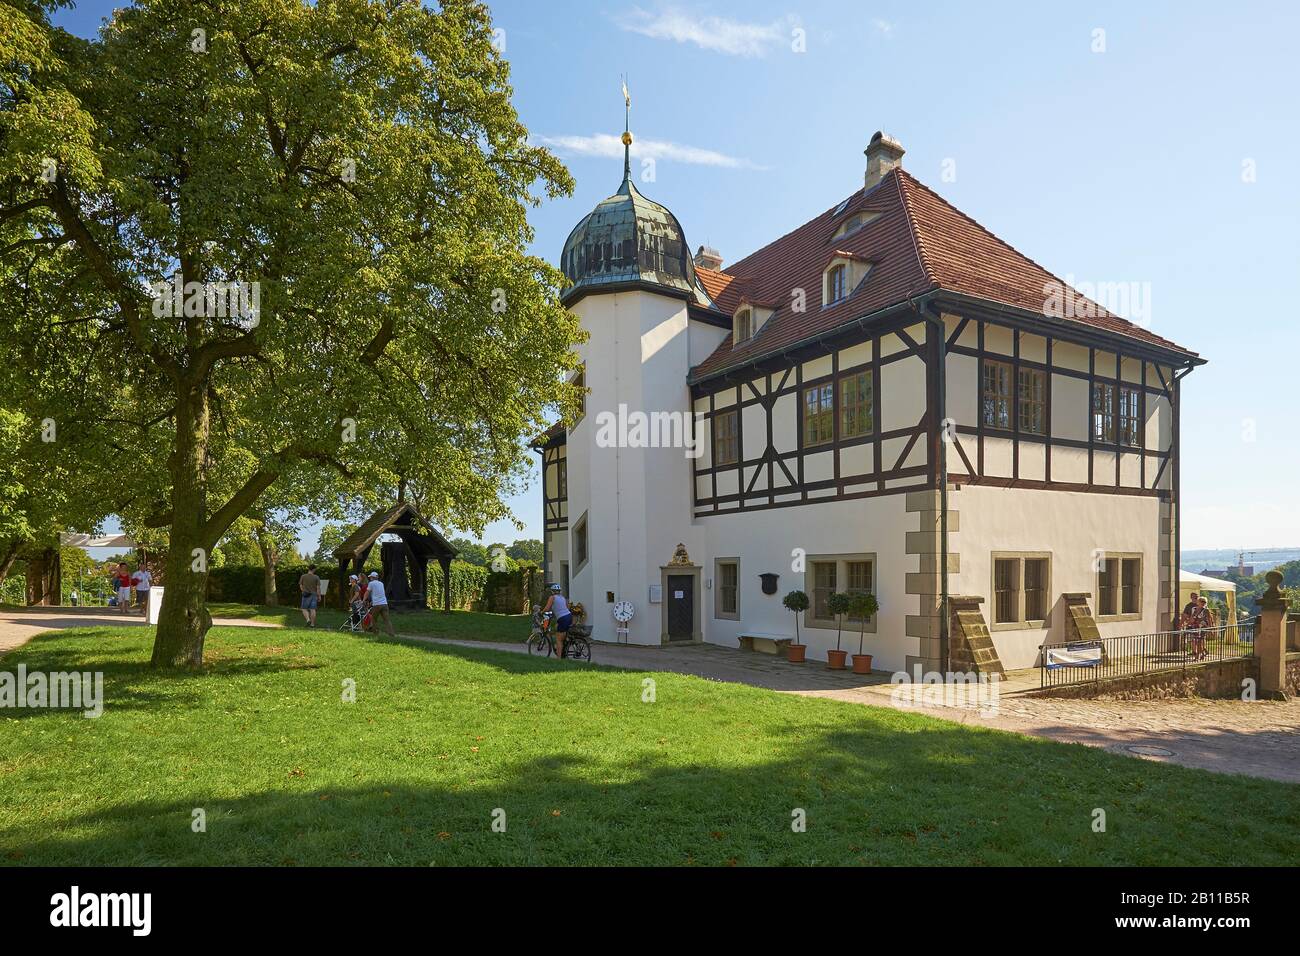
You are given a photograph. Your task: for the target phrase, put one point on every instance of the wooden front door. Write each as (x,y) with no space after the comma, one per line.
(681,607)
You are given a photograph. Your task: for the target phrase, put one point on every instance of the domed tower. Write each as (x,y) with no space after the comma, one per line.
(629,242)
(628,458)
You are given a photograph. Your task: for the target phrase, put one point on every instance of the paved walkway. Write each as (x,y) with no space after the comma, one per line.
(20,625)
(1259,739)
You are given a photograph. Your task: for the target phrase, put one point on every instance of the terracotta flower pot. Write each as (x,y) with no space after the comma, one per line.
(794,653)
(862,663)
(835,659)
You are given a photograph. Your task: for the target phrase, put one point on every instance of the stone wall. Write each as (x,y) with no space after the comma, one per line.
(1218,679)
(1293,674)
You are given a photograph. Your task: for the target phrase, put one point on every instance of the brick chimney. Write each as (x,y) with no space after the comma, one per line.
(706,257)
(883,154)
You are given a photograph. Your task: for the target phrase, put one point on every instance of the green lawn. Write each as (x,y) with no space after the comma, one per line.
(441,736)
(461,625)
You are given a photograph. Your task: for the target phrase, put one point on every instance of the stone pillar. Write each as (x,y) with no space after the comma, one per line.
(1270,639)
(926,582)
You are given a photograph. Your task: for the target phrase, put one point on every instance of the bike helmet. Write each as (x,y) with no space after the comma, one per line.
(556,588)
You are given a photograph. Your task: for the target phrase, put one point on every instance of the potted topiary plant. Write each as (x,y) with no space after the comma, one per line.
(797,602)
(838,604)
(862,605)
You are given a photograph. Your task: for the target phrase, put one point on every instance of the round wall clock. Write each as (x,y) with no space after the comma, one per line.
(623,611)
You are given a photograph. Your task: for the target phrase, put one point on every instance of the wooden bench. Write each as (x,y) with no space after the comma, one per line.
(765,643)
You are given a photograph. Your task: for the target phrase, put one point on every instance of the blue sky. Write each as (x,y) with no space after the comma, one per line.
(1148,143)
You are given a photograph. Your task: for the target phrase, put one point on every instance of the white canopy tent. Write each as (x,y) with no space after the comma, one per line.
(1204,584)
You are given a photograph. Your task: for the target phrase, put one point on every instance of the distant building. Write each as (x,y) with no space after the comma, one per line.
(1244,570)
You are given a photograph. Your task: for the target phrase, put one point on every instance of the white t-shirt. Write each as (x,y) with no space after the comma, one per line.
(143,580)
(377,595)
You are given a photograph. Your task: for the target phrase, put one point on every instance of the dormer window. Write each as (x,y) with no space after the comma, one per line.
(744,325)
(836,283)
(853,223)
(844,273)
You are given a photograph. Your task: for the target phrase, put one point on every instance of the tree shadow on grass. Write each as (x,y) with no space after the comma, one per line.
(127,682)
(869,795)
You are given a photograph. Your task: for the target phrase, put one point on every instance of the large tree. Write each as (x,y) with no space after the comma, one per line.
(360,167)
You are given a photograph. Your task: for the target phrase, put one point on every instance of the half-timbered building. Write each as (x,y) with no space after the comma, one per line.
(888,398)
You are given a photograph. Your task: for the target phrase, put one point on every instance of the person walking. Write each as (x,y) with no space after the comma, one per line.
(309,586)
(143,580)
(1205,622)
(378,604)
(122,578)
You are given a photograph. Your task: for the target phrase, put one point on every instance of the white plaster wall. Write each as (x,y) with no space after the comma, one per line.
(1068,525)
(637,499)
(763,541)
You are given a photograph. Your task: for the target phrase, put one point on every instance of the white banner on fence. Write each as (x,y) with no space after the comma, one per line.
(1074,655)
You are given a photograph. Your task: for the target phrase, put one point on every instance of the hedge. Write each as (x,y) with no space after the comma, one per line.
(467,582)
(243,584)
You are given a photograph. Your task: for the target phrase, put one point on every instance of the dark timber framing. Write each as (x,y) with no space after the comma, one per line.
(782,375)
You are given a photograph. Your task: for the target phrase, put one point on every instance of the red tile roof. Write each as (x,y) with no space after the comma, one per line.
(917,243)
(715,283)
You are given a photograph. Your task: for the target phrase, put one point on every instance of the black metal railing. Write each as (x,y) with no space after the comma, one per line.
(1082,662)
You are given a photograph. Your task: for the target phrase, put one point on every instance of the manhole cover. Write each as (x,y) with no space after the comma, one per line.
(1144,751)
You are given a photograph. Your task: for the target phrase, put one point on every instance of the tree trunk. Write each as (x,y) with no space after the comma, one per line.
(183,620)
(8,555)
(266,545)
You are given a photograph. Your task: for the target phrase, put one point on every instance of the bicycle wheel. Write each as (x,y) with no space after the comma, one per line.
(536,643)
(577,648)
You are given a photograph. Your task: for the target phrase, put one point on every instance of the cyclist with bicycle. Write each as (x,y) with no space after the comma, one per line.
(557,605)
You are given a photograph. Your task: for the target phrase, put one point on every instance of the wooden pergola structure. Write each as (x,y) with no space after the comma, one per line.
(405,563)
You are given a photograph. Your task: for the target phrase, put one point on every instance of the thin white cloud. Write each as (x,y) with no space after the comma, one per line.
(716,34)
(883,27)
(608,146)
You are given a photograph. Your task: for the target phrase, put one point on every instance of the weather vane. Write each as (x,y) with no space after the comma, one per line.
(627,131)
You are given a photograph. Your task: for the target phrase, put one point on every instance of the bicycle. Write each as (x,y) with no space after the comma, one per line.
(577,643)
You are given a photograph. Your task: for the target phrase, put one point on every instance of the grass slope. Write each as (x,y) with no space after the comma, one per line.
(440,737)
(458,625)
